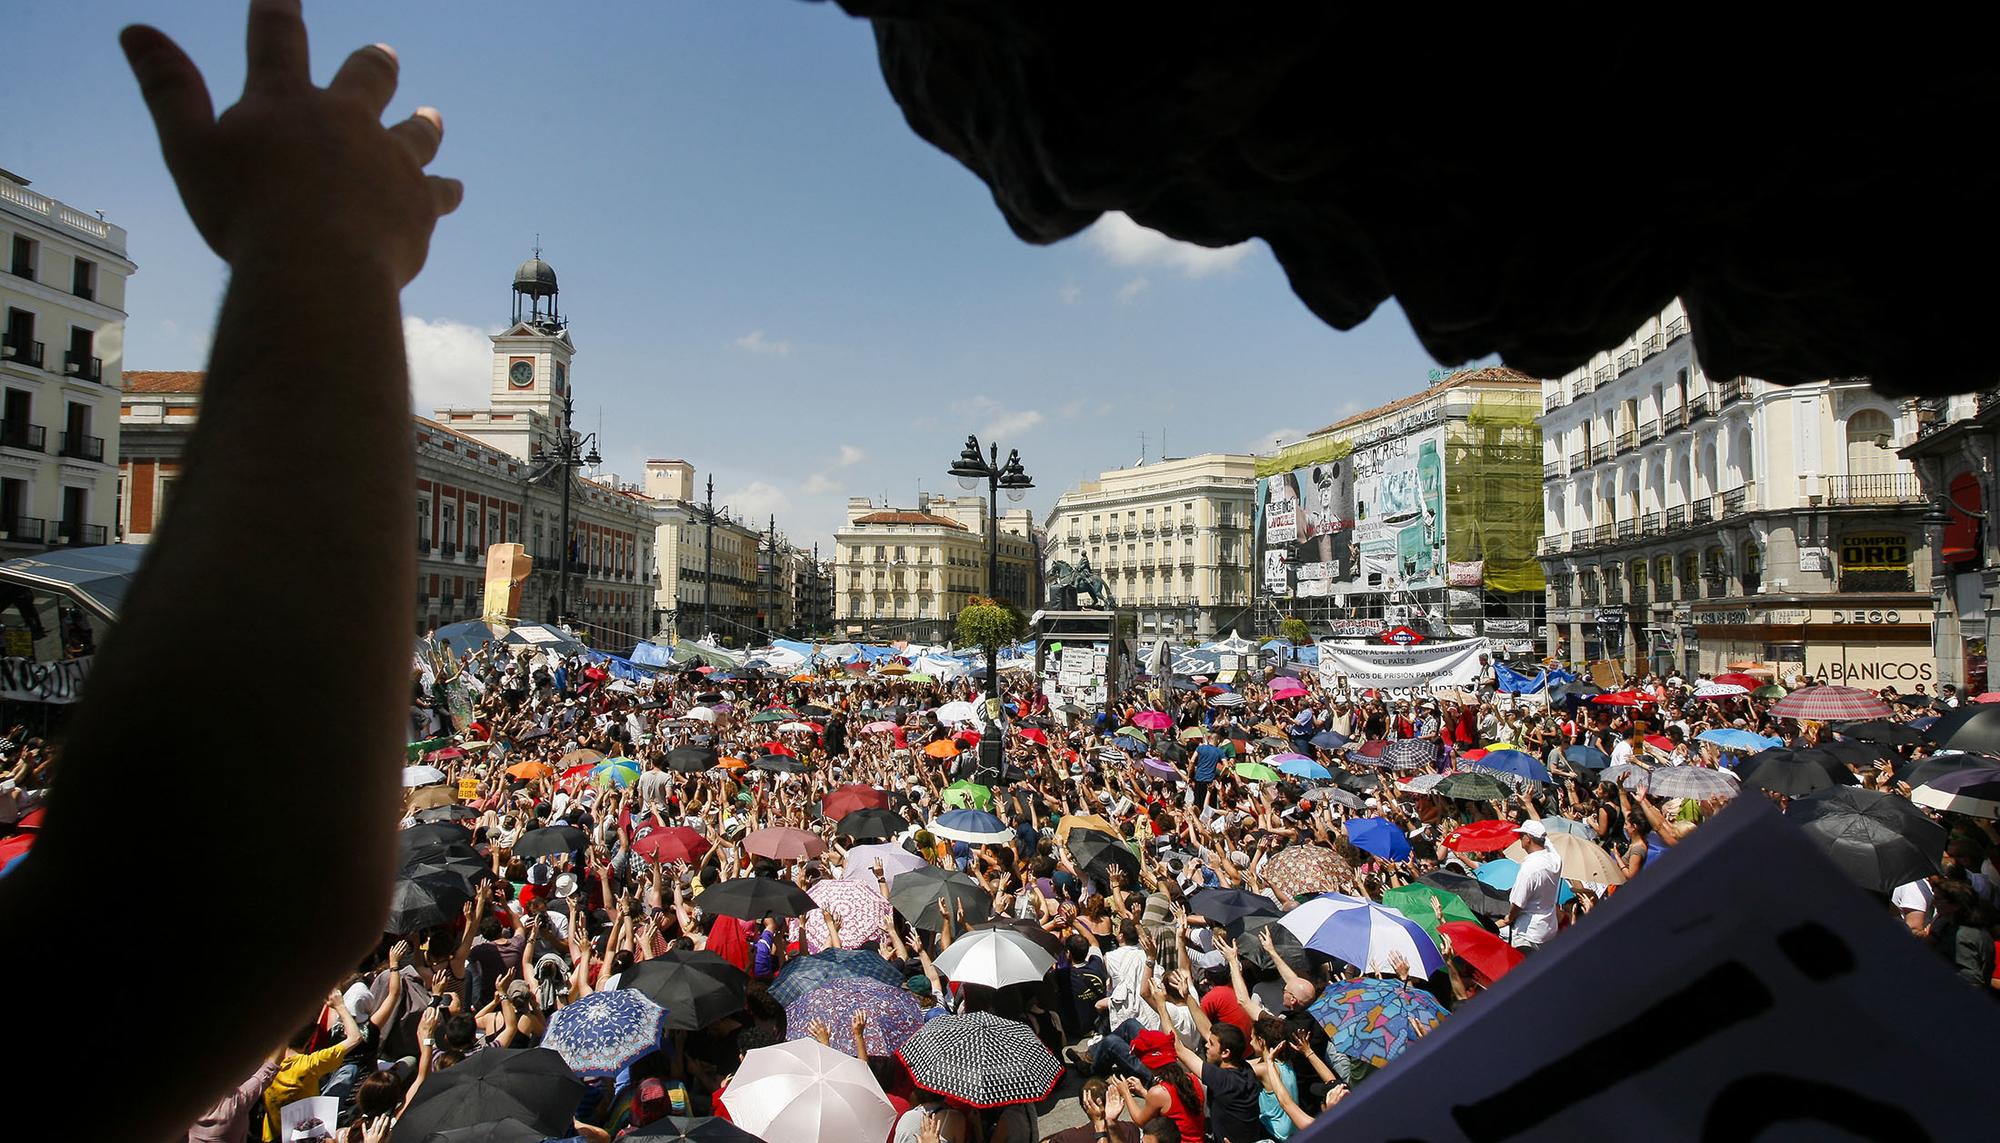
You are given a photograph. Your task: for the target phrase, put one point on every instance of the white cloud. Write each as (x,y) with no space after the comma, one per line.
(755,342)
(999,421)
(451,363)
(849,455)
(1272,438)
(1132,289)
(756,502)
(818,484)
(1127,243)
(1070,293)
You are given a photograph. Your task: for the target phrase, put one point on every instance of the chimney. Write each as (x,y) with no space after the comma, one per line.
(923,501)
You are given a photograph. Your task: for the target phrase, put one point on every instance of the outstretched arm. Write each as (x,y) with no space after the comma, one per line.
(323,216)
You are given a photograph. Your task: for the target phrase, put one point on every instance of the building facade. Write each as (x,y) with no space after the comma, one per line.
(472,492)
(61,354)
(707,558)
(1693,522)
(1956,441)
(1421,513)
(1172,540)
(902,573)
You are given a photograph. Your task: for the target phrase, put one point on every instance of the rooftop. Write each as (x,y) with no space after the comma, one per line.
(1494,376)
(910,518)
(162,382)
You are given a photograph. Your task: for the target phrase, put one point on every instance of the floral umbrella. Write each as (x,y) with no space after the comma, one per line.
(860,906)
(893,1014)
(1306,869)
(807,973)
(603,1033)
(1374,1020)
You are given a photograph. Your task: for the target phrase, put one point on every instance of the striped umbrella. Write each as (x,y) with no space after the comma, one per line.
(1831,703)
(605,1032)
(980,1059)
(894,1015)
(860,906)
(1364,934)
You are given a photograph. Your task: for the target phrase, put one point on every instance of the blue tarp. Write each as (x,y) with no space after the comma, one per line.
(621,668)
(1513,682)
(652,655)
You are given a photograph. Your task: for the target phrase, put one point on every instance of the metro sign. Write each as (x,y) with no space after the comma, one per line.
(1402,636)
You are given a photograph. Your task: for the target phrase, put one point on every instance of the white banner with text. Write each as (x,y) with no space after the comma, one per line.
(1415,669)
(24,680)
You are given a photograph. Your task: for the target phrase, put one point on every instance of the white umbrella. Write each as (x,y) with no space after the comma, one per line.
(957,712)
(1362,933)
(995,958)
(700,713)
(794,728)
(803,1090)
(895,859)
(1719,690)
(414,776)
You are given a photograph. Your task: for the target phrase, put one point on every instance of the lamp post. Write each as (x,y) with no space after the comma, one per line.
(571,452)
(970,468)
(707,514)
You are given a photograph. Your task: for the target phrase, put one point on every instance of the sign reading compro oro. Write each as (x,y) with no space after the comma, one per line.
(1875,551)
(1902,666)
(1414,669)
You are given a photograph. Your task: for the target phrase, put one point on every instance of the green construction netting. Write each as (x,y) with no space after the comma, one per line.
(1493,491)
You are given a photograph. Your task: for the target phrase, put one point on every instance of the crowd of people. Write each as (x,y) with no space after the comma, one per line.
(1221,903)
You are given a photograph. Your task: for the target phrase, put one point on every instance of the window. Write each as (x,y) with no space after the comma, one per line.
(19,343)
(83,279)
(1870,441)
(23,262)
(423,522)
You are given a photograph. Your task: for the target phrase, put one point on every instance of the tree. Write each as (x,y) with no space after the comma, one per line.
(1294,631)
(989,624)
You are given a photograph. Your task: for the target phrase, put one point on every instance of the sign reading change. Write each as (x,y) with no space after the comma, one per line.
(24,680)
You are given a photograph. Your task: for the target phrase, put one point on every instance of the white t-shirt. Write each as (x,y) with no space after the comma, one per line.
(1534,893)
(1913,897)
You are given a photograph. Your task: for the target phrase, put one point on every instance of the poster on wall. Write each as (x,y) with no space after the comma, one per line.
(1371,521)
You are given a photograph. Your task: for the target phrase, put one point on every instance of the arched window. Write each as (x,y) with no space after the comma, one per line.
(1753,568)
(1663,575)
(1961,533)
(1690,576)
(1715,570)
(1740,457)
(1636,577)
(1870,443)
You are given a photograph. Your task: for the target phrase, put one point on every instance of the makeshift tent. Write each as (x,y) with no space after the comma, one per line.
(96,578)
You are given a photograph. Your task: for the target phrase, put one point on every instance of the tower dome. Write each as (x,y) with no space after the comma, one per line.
(535,283)
(535,278)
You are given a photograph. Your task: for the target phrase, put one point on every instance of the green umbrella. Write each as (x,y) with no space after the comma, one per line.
(1473,786)
(771,716)
(1414,901)
(1769,691)
(1193,732)
(962,795)
(415,751)
(1257,772)
(1135,732)
(918,677)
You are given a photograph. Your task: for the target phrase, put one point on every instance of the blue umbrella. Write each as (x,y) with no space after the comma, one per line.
(975,826)
(1328,740)
(894,1015)
(1588,757)
(1380,837)
(806,974)
(1516,762)
(1732,738)
(1501,872)
(1370,1019)
(1304,768)
(606,1032)
(1127,742)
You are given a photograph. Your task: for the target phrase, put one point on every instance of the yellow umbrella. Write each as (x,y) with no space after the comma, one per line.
(1084,821)
(1581,860)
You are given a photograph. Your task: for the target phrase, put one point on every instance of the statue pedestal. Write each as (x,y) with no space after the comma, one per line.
(1079,660)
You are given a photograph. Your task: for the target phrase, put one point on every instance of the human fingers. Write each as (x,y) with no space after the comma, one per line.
(420,134)
(276,46)
(172,87)
(368,77)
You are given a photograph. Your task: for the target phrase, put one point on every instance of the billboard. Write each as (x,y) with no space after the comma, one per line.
(1368,521)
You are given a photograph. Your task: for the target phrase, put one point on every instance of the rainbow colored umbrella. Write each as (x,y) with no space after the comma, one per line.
(615,772)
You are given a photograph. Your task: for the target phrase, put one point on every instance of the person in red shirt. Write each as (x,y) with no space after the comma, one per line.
(1219,1002)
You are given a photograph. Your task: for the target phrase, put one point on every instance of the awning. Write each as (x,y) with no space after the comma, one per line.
(97,578)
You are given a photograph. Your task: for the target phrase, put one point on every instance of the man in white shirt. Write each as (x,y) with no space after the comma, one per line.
(1531,904)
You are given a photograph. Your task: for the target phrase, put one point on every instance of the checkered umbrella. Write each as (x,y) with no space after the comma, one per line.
(1424,783)
(981,1059)
(1831,703)
(1410,753)
(893,1014)
(860,906)
(1697,782)
(603,1033)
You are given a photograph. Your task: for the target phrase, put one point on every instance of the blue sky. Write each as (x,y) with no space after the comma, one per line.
(766,272)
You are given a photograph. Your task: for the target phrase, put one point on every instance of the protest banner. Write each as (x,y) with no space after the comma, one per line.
(1698,1003)
(24,680)
(1400,670)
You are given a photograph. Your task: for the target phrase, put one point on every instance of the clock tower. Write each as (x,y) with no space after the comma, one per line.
(531,363)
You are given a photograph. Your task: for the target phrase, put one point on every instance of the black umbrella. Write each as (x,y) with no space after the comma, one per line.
(1096,851)
(691,759)
(779,764)
(498,1131)
(433,834)
(1473,785)
(816,711)
(1880,730)
(696,988)
(425,898)
(446,814)
(1879,840)
(1480,897)
(915,895)
(551,840)
(1784,772)
(1857,753)
(1974,727)
(1334,794)
(1021,798)
(699,1130)
(1244,931)
(1221,906)
(529,735)
(470,870)
(460,850)
(753,898)
(1914,774)
(532,1085)
(870,823)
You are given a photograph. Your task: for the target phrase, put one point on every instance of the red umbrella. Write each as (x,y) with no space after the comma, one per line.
(778,748)
(1033,735)
(1212,689)
(1372,748)
(1474,754)
(969,737)
(585,768)
(782,843)
(1481,837)
(1152,720)
(669,843)
(1661,741)
(1989,696)
(1488,954)
(1747,682)
(850,798)
(1831,704)
(704,669)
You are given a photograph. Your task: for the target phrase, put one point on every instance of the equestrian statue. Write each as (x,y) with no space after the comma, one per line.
(1066,583)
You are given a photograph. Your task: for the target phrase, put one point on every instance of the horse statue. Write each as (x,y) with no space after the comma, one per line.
(1067,583)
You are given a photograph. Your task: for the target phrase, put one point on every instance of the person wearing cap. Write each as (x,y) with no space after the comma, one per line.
(1165,1088)
(1531,904)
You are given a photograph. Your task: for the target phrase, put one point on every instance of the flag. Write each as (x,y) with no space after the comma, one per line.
(1513,682)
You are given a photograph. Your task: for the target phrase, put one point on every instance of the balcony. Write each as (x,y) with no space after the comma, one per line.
(1674,419)
(1715,585)
(1552,545)
(1589,594)
(447,550)
(1579,460)
(1649,431)
(80,446)
(1627,529)
(1094,536)
(79,535)
(1559,596)
(1552,402)
(1677,329)
(1731,390)
(1553,470)
(1131,531)
(1579,389)
(22,351)
(472,555)
(1638,596)
(1649,524)
(84,366)
(1653,344)
(1627,440)
(1701,512)
(21,434)
(1871,488)
(1580,538)
(1604,376)
(1628,360)
(1735,500)
(1614,592)
(1187,527)
(423,546)
(1148,529)
(1699,406)
(1677,517)
(22,530)
(1600,452)
(1603,534)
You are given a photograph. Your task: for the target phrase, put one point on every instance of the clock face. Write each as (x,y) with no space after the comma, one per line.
(521,374)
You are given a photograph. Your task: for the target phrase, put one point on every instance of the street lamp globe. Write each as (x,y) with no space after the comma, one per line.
(968,482)
(1016,493)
